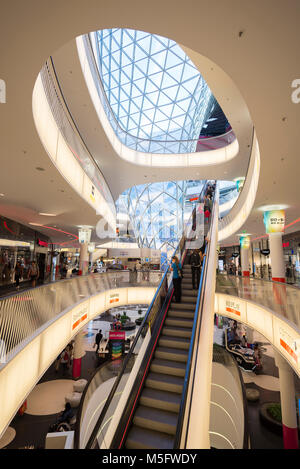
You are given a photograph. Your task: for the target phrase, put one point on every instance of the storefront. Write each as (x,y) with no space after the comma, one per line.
(21,244)
(260,261)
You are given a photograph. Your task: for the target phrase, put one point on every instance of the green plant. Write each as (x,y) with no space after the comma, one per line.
(274,410)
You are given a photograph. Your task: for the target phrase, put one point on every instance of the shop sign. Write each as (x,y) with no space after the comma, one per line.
(79,316)
(244,242)
(114,298)
(232,307)
(265,252)
(289,344)
(117,335)
(43,243)
(274,221)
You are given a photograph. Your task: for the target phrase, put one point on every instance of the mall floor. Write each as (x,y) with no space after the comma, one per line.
(31,429)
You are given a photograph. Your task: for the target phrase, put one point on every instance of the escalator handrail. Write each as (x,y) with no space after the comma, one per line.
(129,354)
(197,319)
(123,369)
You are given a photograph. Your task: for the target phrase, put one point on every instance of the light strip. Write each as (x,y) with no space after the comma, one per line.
(224,437)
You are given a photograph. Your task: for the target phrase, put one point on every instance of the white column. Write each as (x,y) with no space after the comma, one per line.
(244,250)
(288,402)
(83,259)
(276,256)
(78,353)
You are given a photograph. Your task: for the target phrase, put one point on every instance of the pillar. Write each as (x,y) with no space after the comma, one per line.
(288,402)
(244,251)
(78,353)
(84,237)
(274,221)
(83,259)
(276,256)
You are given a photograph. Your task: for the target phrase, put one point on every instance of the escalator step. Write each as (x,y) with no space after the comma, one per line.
(172,354)
(174,342)
(158,399)
(176,313)
(168,367)
(164,382)
(156,419)
(141,438)
(186,298)
(180,322)
(177,331)
(183,306)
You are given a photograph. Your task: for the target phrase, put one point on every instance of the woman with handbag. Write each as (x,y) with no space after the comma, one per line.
(177,276)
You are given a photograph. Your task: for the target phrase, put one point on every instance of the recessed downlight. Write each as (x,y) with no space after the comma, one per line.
(34,224)
(47,214)
(1,195)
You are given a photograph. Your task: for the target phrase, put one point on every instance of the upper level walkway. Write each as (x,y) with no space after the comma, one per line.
(271,308)
(36,325)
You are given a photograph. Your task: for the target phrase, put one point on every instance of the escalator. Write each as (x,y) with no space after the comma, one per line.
(155,420)
(152,413)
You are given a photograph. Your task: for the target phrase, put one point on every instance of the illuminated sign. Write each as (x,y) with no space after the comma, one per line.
(114,298)
(42,243)
(286,244)
(78,316)
(274,221)
(244,242)
(233,307)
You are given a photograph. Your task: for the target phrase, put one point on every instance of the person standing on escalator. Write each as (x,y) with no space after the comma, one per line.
(195,262)
(177,275)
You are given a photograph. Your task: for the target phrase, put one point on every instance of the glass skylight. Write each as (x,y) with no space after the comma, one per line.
(157,95)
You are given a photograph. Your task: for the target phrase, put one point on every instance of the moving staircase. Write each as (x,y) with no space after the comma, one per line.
(155,420)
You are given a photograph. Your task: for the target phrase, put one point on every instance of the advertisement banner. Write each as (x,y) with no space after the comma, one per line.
(114,298)
(116,344)
(244,242)
(79,315)
(274,221)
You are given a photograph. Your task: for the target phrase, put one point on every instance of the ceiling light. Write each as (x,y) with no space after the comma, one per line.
(47,214)
(34,224)
(1,195)
(266,208)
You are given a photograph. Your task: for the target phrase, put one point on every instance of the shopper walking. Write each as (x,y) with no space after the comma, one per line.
(33,273)
(98,339)
(177,275)
(195,262)
(18,274)
(65,360)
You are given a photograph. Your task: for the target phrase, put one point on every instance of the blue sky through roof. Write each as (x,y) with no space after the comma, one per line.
(154,90)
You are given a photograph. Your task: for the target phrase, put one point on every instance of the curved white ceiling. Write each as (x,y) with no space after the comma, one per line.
(253,43)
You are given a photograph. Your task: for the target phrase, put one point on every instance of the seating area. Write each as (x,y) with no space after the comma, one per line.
(75,397)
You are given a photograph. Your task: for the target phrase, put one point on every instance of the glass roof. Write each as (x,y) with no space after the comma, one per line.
(157,95)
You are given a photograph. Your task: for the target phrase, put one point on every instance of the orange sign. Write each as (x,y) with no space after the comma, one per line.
(114,298)
(289,350)
(234,311)
(78,317)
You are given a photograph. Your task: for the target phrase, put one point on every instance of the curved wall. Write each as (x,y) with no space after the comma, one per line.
(280,332)
(23,371)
